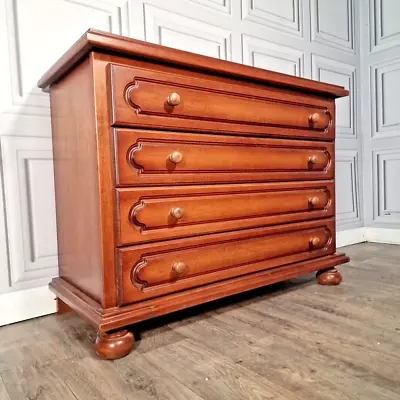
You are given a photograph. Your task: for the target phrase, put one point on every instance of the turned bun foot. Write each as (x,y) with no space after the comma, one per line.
(329,277)
(114,345)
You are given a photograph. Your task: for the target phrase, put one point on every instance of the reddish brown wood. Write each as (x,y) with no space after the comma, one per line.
(140,98)
(246,87)
(107,42)
(143,158)
(62,308)
(116,318)
(208,214)
(114,345)
(145,214)
(147,270)
(106,179)
(76,180)
(329,276)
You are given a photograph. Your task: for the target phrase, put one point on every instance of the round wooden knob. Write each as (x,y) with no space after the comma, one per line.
(174,99)
(314,118)
(177,212)
(179,267)
(313,201)
(312,160)
(175,157)
(314,242)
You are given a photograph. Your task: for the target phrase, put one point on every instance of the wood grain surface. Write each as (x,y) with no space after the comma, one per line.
(140,98)
(76,180)
(143,158)
(146,214)
(294,340)
(124,46)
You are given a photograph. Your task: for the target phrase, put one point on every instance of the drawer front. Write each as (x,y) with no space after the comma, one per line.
(153,157)
(155,269)
(150,98)
(151,214)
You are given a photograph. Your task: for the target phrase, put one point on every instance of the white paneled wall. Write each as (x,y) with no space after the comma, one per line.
(316,39)
(381,117)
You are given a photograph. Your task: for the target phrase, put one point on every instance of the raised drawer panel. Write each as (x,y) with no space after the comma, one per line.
(155,269)
(154,157)
(142,97)
(149,214)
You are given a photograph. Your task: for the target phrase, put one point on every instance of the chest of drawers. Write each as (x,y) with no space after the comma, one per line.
(181,179)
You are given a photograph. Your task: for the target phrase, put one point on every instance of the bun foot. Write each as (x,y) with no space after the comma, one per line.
(114,345)
(329,276)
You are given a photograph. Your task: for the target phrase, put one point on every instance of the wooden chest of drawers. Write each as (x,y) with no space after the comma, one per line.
(181,179)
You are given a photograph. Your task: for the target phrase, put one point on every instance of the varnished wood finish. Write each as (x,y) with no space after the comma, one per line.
(294,341)
(143,158)
(140,98)
(145,214)
(329,276)
(115,318)
(94,40)
(114,345)
(217,196)
(146,271)
(106,177)
(76,180)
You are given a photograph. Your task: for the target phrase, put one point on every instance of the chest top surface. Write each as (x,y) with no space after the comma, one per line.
(102,42)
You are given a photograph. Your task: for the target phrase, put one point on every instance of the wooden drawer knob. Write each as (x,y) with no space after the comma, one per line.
(179,267)
(314,242)
(174,99)
(313,201)
(314,118)
(175,157)
(312,160)
(177,212)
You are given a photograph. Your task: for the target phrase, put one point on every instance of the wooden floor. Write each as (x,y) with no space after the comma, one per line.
(295,340)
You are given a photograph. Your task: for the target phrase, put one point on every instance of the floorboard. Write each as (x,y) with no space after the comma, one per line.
(294,340)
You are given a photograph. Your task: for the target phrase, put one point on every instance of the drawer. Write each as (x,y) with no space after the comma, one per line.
(154,157)
(150,214)
(152,270)
(143,97)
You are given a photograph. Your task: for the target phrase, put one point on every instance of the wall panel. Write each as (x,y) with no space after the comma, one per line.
(30,210)
(309,38)
(332,23)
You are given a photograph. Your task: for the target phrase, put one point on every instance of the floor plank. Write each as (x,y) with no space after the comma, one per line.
(294,340)
(3,392)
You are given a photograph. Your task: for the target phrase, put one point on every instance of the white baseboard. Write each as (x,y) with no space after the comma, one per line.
(350,236)
(382,235)
(26,304)
(367,234)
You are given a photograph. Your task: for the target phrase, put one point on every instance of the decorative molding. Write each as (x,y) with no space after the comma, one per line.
(30,210)
(322,35)
(379,40)
(26,304)
(184,33)
(331,71)
(386,167)
(349,237)
(24,96)
(270,15)
(224,6)
(351,213)
(268,55)
(385,88)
